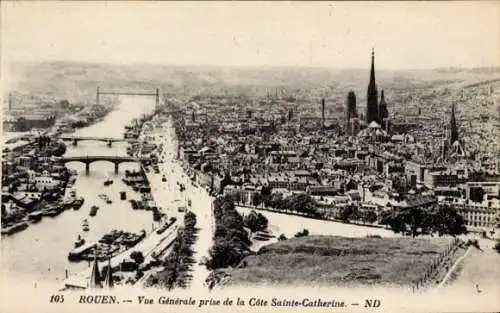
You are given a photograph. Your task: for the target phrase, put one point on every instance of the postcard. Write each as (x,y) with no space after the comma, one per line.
(250,156)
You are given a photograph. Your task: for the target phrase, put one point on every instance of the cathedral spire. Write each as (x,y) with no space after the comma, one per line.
(453,126)
(95,278)
(372,85)
(108,280)
(372,95)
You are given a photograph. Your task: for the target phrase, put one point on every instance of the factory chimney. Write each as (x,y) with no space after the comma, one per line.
(323,113)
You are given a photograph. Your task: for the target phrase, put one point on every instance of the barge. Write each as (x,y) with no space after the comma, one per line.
(109,245)
(35,217)
(9,230)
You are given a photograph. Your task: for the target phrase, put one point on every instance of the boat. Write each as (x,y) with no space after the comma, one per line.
(53,211)
(108,182)
(76,254)
(9,230)
(85,225)
(157,215)
(79,242)
(35,216)
(105,198)
(67,203)
(77,203)
(134,204)
(145,188)
(93,210)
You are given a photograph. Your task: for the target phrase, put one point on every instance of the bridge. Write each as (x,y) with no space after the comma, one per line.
(129,93)
(87,160)
(108,140)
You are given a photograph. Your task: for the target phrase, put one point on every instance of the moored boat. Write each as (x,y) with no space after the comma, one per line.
(134,204)
(35,216)
(67,203)
(9,230)
(108,182)
(77,203)
(53,211)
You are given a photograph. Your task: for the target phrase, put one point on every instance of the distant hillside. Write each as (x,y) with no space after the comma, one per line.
(77,80)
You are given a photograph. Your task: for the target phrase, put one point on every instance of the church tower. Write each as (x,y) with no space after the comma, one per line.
(372,96)
(453,126)
(350,109)
(383,113)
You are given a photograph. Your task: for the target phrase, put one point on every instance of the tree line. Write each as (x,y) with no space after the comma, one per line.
(231,242)
(442,219)
(231,238)
(179,261)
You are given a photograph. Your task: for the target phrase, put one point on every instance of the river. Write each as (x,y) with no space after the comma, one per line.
(39,253)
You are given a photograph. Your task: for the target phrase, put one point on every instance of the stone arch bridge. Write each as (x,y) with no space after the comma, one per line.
(87,160)
(109,141)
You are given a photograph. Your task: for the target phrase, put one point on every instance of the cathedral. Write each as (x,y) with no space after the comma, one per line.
(375,111)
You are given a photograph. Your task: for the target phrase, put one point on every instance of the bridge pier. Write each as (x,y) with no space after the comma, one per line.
(110,143)
(87,169)
(116,168)
(75,142)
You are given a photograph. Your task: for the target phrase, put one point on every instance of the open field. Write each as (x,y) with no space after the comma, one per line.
(327,260)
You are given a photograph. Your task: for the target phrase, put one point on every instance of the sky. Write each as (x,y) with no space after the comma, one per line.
(405,35)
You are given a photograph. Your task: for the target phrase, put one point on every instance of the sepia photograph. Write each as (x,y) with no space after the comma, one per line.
(250,156)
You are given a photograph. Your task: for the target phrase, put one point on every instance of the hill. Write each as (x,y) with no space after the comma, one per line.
(339,261)
(76,80)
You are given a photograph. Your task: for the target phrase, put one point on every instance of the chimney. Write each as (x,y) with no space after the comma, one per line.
(323,113)
(10,101)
